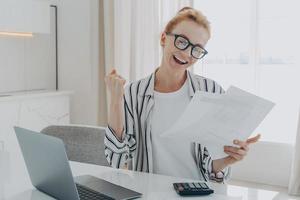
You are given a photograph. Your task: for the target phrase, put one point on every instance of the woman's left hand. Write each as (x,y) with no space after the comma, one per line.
(238,153)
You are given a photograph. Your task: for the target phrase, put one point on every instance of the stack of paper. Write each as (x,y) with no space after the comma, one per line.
(215,120)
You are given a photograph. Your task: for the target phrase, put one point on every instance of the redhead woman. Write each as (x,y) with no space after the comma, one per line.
(143,110)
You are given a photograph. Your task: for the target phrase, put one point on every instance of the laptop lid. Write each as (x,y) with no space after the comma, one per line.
(47,164)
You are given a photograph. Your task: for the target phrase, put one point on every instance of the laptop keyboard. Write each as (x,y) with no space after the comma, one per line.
(89,194)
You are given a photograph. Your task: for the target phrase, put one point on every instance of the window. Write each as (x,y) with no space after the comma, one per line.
(255,47)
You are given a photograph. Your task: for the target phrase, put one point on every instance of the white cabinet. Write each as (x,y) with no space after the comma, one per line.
(31,111)
(24,16)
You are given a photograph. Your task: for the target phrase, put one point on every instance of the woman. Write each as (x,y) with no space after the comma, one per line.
(146,108)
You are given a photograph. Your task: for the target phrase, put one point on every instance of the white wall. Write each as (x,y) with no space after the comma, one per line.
(78,57)
(266,163)
(30,63)
(25,16)
(27,63)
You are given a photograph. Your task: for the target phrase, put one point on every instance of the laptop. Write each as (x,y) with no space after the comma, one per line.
(49,170)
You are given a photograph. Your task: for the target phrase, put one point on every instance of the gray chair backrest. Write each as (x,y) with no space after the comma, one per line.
(83,144)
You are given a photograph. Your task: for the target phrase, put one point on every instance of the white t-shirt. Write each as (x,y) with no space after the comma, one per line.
(171,157)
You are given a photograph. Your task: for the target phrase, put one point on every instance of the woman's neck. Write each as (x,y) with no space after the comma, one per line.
(169,81)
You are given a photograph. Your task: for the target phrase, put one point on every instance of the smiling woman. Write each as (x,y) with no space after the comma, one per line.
(142,111)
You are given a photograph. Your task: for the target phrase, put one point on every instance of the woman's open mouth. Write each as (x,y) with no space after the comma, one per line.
(179,61)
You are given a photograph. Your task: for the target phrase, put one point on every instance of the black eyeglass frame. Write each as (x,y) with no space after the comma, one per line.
(189,44)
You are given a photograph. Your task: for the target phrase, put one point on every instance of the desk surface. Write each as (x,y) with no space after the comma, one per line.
(152,186)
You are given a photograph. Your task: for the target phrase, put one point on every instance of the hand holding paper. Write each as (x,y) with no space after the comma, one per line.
(215,120)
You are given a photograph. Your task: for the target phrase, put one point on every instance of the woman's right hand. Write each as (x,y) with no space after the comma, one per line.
(115,84)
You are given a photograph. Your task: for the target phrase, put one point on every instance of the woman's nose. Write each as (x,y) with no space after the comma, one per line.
(187,52)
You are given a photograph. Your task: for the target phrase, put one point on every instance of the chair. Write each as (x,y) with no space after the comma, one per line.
(83,143)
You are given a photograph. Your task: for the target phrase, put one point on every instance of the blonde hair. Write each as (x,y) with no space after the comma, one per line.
(188,13)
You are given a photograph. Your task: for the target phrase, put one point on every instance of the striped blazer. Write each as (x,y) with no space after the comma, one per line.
(135,149)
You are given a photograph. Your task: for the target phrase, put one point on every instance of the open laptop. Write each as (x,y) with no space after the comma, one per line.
(50,172)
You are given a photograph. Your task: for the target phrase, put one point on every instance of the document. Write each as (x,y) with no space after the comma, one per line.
(215,120)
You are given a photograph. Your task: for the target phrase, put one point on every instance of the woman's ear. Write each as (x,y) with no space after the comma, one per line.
(163,39)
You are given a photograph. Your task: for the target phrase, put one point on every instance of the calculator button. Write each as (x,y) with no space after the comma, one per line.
(185,185)
(191,185)
(179,185)
(203,185)
(197,185)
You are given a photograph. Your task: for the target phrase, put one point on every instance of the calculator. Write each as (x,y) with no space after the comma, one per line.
(189,189)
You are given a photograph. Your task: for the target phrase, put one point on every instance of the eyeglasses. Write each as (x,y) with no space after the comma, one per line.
(182,43)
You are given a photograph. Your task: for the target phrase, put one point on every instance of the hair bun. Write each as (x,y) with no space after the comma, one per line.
(185,8)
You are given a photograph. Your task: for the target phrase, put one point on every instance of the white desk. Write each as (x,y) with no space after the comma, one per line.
(152,186)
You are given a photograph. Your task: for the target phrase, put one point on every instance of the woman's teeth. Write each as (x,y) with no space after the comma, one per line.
(179,61)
